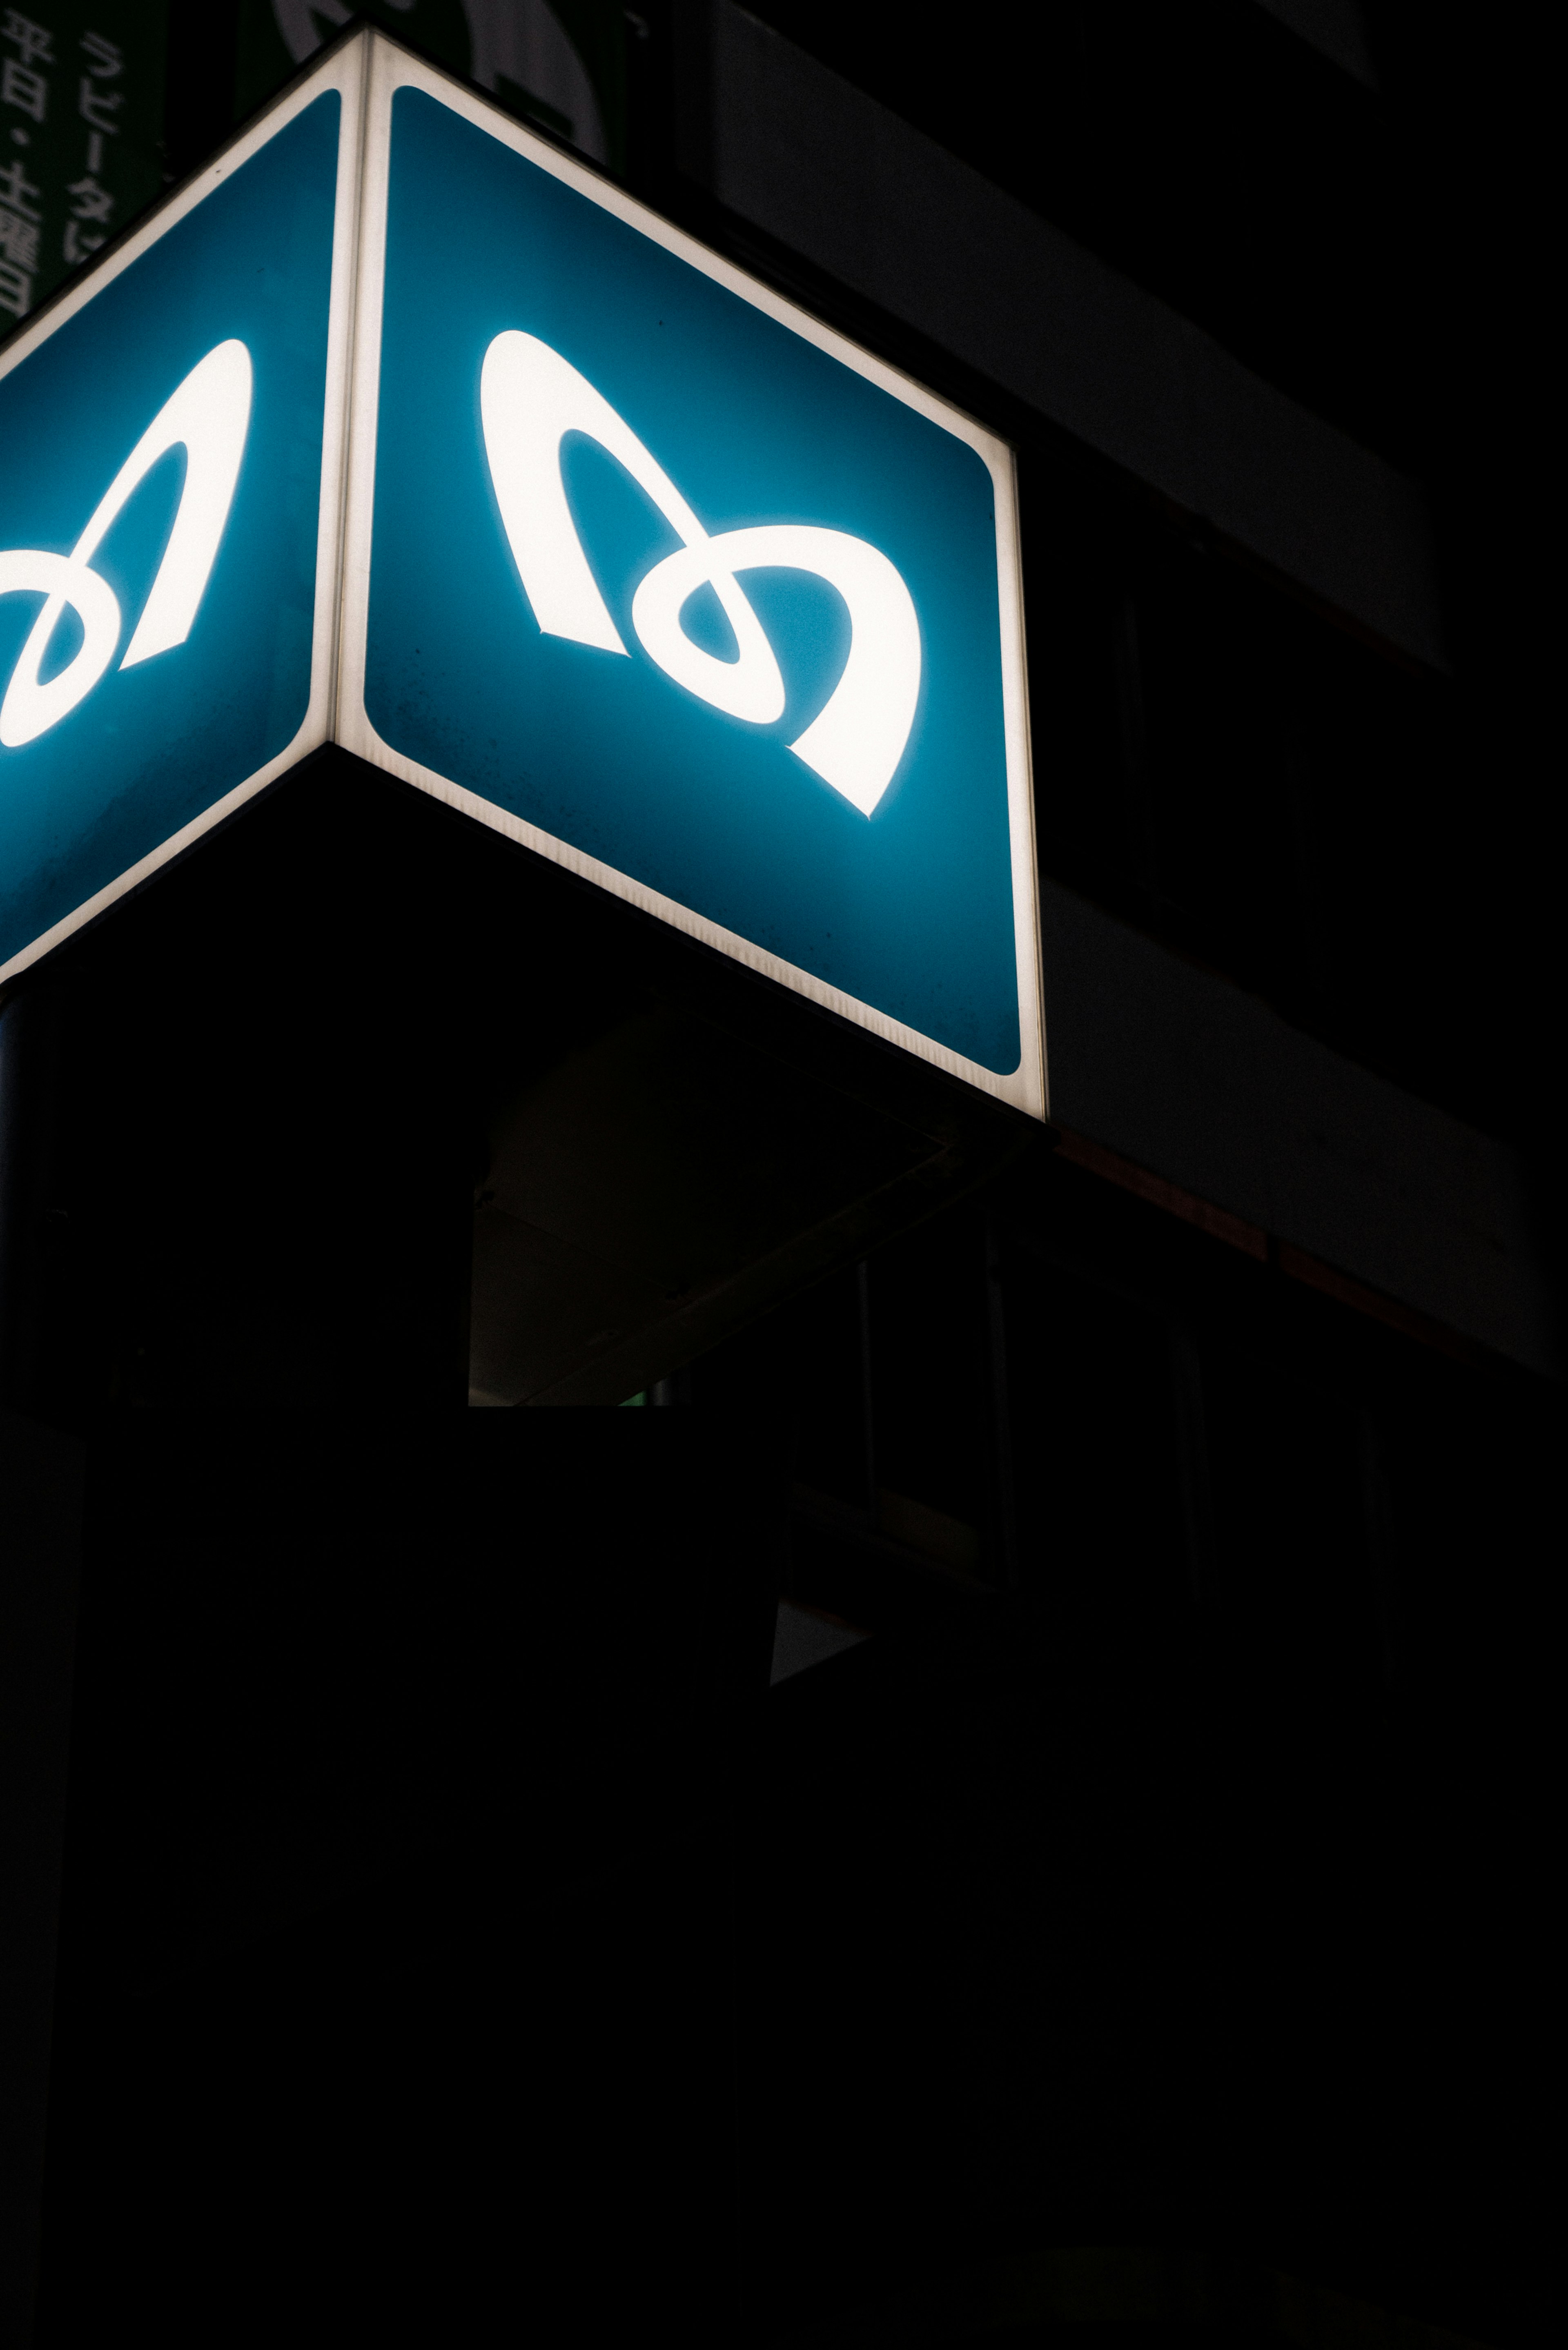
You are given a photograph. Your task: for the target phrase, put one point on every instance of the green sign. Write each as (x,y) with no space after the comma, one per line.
(81,113)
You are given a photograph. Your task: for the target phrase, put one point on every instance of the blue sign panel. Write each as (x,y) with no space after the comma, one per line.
(400,427)
(676,586)
(162,435)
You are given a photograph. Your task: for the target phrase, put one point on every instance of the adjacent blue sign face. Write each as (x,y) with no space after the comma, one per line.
(636,563)
(678,587)
(160,458)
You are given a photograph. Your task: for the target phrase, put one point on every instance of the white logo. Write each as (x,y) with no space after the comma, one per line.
(209,413)
(530,398)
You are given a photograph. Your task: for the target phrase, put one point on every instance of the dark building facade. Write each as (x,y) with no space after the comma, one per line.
(1011,1794)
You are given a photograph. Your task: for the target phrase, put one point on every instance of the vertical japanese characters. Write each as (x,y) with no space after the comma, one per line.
(64,190)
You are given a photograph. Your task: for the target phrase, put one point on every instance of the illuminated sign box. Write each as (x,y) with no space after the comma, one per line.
(400,428)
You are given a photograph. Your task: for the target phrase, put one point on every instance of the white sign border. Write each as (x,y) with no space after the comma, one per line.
(343,71)
(392,67)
